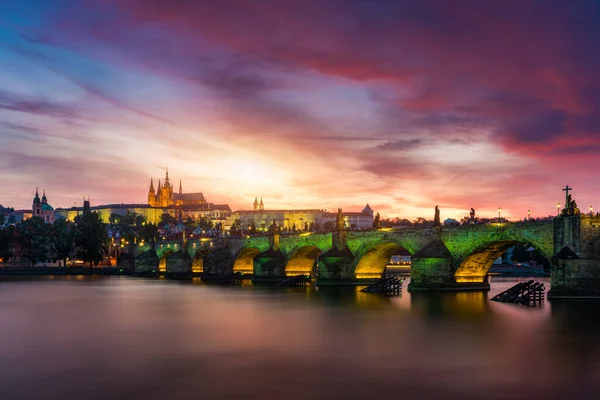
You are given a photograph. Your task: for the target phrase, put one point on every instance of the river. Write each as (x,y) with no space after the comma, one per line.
(126,338)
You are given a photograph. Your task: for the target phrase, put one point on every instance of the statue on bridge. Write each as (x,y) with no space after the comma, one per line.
(570,204)
(274,228)
(472,213)
(436,218)
(339,221)
(571,207)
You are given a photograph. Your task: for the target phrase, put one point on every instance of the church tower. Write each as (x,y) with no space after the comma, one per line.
(256,204)
(179,200)
(151,194)
(37,205)
(159,194)
(261,206)
(167,198)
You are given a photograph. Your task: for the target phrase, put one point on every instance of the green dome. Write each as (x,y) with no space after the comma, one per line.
(47,207)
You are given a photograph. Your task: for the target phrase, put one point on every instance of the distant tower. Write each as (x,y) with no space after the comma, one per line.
(167,199)
(86,205)
(180,197)
(261,206)
(37,205)
(151,194)
(255,203)
(158,194)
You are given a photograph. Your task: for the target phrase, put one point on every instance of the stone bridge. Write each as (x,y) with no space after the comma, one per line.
(446,258)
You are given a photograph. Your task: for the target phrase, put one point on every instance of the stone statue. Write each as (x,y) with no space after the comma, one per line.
(472,213)
(274,227)
(436,218)
(574,210)
(339,222)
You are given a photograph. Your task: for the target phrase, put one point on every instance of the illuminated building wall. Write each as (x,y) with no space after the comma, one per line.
(286,219)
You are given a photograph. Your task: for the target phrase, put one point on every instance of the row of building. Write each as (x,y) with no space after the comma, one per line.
(194,205)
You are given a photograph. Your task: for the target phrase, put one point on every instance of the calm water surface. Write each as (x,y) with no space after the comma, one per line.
(124,338)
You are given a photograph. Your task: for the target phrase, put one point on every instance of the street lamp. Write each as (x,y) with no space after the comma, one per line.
(528,215)
(557,208)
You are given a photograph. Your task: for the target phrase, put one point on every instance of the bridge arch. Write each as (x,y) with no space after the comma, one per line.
(303,261)
(198,260)
(244,260)
(162,264)
(475,266)
(373,260)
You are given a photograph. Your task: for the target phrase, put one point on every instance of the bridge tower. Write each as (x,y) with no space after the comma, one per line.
(576,261)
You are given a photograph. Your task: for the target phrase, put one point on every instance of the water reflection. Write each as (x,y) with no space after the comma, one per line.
(121,338)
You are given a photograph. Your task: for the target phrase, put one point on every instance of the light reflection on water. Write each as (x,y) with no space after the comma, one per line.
(154,339)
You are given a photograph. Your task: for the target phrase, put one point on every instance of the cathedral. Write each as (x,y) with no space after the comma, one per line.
(165,196)
(42,209)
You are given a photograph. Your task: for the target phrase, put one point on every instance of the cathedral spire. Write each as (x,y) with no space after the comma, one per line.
(261,206)
(180,190)
(256,203)
(36,199)
(167,178)
(151,184)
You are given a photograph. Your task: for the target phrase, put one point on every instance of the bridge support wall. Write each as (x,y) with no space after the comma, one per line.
(576,264)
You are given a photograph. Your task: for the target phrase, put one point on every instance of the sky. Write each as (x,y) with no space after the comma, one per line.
(404,105)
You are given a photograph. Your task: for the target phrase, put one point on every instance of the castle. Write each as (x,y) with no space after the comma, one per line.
(166,197)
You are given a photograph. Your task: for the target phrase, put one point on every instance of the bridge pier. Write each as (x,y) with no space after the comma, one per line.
(576,263)
(433,269)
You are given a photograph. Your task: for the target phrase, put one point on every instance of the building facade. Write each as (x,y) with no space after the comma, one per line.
(354,220)
(161,201)
(299,220)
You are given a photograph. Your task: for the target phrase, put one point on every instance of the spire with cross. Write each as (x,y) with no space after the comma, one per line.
(566,190)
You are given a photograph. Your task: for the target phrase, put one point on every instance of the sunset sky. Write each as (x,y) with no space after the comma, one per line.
(309,104)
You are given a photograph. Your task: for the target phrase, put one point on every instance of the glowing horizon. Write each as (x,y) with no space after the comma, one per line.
(306,104)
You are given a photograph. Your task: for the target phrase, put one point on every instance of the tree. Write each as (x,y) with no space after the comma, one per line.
(328,226)
(311,227)
(63,239)
(91,238)
(114,219)
(6,239)
(36,235)
(305,226)
(167,219)
(190,224)
(377,221)
(205,223)
(149,232)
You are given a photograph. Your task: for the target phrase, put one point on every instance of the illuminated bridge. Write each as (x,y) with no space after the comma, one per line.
(446,258)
